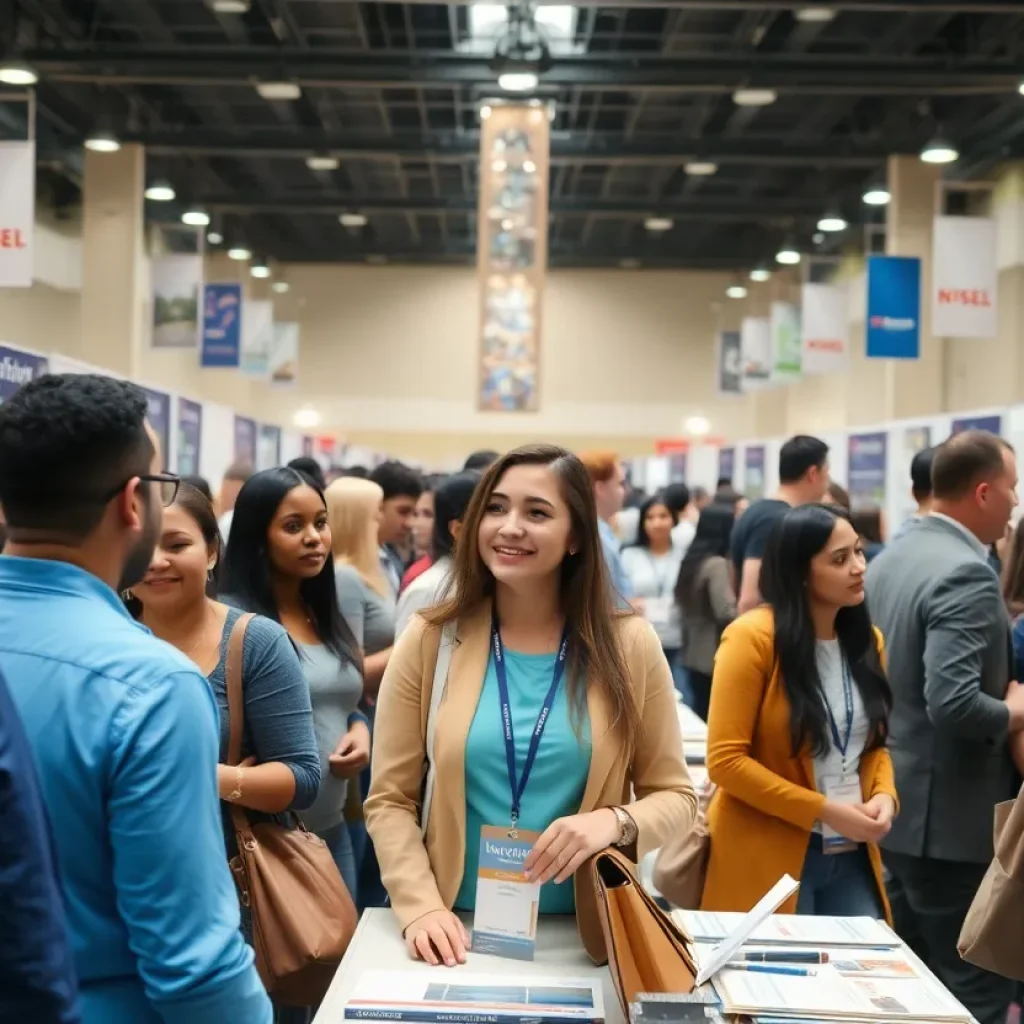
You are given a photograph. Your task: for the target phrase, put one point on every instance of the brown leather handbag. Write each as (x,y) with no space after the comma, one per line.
(647,952)
(303,917)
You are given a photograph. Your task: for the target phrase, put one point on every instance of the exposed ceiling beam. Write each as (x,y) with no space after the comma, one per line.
(879,6)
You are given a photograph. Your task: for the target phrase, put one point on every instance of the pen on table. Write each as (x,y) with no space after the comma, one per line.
(799,972)
(784,956)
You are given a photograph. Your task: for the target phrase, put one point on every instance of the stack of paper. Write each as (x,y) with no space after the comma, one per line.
(789,929)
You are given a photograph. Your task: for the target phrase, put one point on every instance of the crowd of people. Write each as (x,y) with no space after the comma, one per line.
(862,723)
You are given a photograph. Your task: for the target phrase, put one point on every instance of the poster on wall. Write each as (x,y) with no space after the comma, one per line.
(158,413)
(894,307)
(177,282)
(222,326)
(965,277)
(909,441)
(676,467)
(283,365)
(245,440)
(786,341)
(866,469)
(753,472)
(190,434)
(268,449)
(824,328)
(726,464)
(17,213)
(730,363)
(257,336)
(18,368)
(756,351)
(993,424)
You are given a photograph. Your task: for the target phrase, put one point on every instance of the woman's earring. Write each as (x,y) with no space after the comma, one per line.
(572,551)
(126,595)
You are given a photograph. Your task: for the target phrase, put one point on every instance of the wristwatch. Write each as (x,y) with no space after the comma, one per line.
(627,827)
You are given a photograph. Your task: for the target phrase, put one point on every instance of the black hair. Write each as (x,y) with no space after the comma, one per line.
(711,539)
(451,499)
(359,472)
(397,480)
(309,467)
(481,460)
(247,575)
(798,455)
(642,540)
(68,444)
(921,474)
(676,497)
(799,535)
(200,483)
(723,483)
(867,521)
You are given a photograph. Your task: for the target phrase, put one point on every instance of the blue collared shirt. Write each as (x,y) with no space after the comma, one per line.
(622,588)
(124,732)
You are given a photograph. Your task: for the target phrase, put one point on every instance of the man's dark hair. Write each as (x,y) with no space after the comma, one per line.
(239,472)
(676,497)
(359,472)
(921,474)
(798,455)
(965,460)
(724,483)
(396,480)
(68,443)
(481,460)
(308,466)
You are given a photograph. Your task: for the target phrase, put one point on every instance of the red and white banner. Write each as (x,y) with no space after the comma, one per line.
(965,277)
(17,213)
(825,328)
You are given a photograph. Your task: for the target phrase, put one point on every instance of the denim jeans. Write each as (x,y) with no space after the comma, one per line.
(680,674)
(838,884)
(339,842)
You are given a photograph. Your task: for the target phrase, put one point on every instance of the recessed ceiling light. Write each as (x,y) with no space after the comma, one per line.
(877,196)
(697,425)
(307,418)
(260,270)
(815,14)
(736,291)
(161,191)
(322,163)
(195,218)
(1020,88)
(214,238)
(658,224)
(18,73)
(240,253)
(353,220)
(939,151)
(788,256)
(229,6)
(103,142)
(832,221)
(760,275)
(700,168)
(754,97)
(280,287)
(278,90)
(518,81)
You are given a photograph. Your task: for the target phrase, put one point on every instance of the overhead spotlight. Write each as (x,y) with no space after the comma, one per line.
(307,418)
(259,270)
(322,163)
(240,253)
(275,91)
(760,275)
(818,237)
(196,218)
(939,151)
(229,6)
(1020,88)
(698,426)
(736,291)
(832,221)
(281,287)
(103,142)
(877,196)
(17,73)
(518,81)
(700,168)
(214,238)
(754,97)
(658,224)
(816,14)
(788,255)
(353,220)
(161,191)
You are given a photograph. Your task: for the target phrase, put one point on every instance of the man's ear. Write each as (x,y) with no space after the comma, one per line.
(130,504)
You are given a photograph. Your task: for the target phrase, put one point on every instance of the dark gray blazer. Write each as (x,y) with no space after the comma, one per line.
(937,602)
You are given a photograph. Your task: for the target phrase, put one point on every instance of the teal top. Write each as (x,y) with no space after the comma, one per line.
(559,775)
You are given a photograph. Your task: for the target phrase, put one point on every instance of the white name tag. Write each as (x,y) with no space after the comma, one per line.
(507,904)
(841,790)
(658,610)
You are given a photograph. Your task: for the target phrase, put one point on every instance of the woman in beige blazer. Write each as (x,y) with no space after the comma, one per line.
(529,595)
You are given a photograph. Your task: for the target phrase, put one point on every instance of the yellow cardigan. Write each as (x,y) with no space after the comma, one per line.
(766,804)
(421,878)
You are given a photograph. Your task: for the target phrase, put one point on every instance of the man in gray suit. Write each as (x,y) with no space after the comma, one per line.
(947,634)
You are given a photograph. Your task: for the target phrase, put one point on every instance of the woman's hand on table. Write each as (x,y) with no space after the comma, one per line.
(352,754)
(436,938)
(566,843)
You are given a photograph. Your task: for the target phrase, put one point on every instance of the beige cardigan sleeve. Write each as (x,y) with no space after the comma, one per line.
(399,751)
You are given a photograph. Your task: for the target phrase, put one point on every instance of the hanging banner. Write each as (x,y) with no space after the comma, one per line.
(245,441)
(159,415)
(190,434)
(825,335)
(730,363)
(17,213)
(177,286)
(894,307)
(993,424)
(283,364)
(268,447)
(753,472)
(18,368)
(866,468)
(257,336)
(965,277)
(756,352)
(726,464)
(222,326)
(786,341)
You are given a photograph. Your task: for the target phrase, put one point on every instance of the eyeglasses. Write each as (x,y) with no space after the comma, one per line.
(168,486)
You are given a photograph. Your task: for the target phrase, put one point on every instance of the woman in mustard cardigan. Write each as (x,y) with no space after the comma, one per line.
(797,730)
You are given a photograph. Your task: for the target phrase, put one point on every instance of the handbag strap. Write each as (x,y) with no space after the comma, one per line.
(233,683)
(437,692)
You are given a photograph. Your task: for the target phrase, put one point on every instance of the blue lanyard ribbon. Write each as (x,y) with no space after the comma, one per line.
(842,744)
(518,785)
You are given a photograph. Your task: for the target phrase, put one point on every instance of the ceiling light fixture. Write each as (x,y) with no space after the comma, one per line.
(307,418)
(103,142)
(518,81)
(700,168)
(788,255)
(275,91)
(161,191)
(832,221)
(939,151)
(240,253)
(815,14)
(754,97)
(214,238)
(353,220)
(658,224)
(281,287)
(196,218)
(760,275)
(17,73)
(877,195)
(698,426)
(322,162)
(259,270)
(229,6)
(736,291)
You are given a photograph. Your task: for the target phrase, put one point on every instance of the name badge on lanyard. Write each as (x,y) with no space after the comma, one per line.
(507,903)
(845,788)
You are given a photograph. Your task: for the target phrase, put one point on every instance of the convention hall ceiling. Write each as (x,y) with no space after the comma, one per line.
(392,93)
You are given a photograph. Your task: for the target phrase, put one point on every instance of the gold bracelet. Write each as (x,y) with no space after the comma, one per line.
(236,793)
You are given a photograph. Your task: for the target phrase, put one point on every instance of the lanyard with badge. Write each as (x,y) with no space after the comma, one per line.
(507,902)
(658,610)
(844,789)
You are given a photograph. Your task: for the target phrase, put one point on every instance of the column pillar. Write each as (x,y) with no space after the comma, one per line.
(114,281)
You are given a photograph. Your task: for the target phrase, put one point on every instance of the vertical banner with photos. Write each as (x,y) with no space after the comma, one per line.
(756,352)
(965,278)
(18,368)
(730,363)
(512,247)
(824,326)
(726,463)
(158,412)
(993,424)
(786,341)
(177,283)
(222,326)
(866,469)
(257,336)
(17,213)
(245,440)
(190,436)
(753,471)
(284,355)
(268,446)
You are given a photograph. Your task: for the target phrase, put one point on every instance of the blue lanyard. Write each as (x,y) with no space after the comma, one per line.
(844,743)
(518,787)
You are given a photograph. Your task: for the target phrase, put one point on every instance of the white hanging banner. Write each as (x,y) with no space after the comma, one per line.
(17,213)
(786,342)
(825,330)
(257,336)
(965,277)
(756,352)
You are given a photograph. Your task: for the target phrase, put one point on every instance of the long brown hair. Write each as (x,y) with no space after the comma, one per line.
(1013,572)
(585,594)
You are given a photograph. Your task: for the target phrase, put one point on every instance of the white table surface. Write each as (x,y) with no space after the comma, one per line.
(378,945)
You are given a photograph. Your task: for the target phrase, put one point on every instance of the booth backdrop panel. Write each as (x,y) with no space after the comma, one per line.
(218,449)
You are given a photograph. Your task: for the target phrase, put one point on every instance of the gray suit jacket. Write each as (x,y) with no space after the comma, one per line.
(947,636)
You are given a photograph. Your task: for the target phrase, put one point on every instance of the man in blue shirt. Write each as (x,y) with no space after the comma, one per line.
(123,728)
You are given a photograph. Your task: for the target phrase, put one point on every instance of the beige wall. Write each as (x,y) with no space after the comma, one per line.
(40,318)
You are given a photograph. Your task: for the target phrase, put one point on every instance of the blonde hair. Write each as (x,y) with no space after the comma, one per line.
(353,505)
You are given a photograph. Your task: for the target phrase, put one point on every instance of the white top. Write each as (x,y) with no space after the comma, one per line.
(653,578)
(224,524)
(682,535)
(424,591)
(834,765)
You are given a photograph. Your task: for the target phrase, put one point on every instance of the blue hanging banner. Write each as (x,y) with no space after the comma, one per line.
(222,325)
(993,424)
(894,307)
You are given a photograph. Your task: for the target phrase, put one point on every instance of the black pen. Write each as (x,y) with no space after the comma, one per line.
(785,956)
